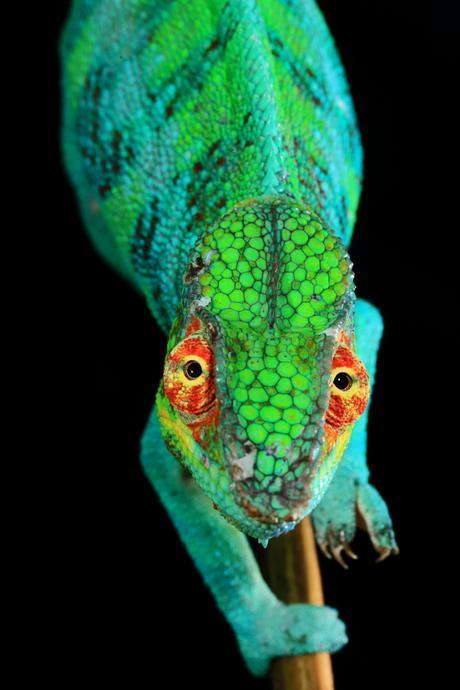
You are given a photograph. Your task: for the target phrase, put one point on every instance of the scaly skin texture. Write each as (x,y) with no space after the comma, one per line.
(215,154)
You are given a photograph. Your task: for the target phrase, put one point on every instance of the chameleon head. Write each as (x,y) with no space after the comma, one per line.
(261,384)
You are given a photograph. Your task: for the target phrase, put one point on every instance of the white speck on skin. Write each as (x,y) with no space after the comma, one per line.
(202,302)
(245,465)
(208,257)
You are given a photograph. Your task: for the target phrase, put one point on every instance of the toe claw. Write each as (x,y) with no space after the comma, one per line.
(350,553)
(385,552)
(324,546)
(337,553)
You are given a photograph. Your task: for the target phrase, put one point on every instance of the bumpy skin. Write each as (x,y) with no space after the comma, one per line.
(215,154)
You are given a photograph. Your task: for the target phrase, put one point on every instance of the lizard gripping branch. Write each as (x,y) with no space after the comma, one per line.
(215,154)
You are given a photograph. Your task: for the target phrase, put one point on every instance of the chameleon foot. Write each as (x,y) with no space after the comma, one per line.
(346,505)
(373,516)
(285,630)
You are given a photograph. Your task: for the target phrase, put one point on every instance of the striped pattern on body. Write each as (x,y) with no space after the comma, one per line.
(176,110)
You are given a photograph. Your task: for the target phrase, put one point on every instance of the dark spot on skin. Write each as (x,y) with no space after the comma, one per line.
(116,140)
(193,270)
(169,111)
(248,144)
(152,97)
(221,203)
(246,118)
(222,160)
(104,190)
(139,224)
(214,147)
(197,167)
(212,46)
(199,217)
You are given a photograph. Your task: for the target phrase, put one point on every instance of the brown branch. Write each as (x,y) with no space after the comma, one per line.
(292,570)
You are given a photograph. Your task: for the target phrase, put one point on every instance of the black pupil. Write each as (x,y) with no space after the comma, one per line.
(343,381)
(193,370)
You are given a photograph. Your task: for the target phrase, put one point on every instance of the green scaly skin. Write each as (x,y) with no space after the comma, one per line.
(214,150)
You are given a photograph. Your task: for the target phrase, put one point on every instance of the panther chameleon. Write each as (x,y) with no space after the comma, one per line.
(216,157)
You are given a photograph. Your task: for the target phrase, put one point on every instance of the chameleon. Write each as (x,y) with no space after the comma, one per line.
(216,157)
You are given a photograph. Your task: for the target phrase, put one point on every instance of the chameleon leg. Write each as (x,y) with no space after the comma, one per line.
(350,495)
(264,626)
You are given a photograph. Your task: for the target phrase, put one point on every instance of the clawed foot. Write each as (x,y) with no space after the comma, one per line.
(285,630)
(346,505)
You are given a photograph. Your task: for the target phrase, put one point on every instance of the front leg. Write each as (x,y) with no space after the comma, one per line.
(264,627)
(350,496)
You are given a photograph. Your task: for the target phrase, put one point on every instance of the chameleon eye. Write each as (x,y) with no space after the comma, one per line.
(193,369)
(188,380)
(343,381)
(349,389)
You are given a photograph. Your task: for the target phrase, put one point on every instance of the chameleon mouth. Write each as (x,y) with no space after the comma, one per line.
(279,501)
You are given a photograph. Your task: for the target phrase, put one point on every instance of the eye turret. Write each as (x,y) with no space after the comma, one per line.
(349,390)
(189,377)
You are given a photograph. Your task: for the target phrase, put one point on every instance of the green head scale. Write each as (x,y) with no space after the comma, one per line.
(268,297)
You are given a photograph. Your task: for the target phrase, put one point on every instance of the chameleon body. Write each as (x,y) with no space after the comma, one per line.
(216,157)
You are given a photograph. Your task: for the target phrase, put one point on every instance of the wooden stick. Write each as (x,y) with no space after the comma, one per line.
(292,570)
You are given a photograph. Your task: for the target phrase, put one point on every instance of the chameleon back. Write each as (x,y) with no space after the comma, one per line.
(174,111)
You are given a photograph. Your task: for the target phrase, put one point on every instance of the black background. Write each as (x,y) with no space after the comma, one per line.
(126,604)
